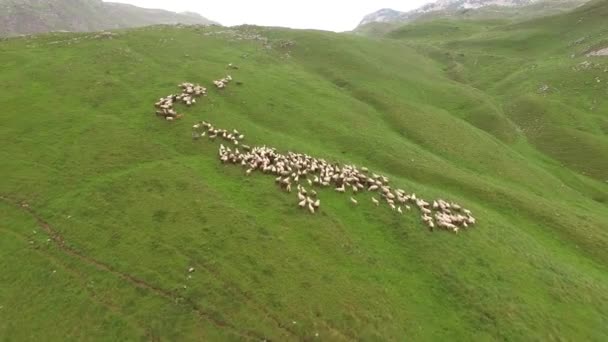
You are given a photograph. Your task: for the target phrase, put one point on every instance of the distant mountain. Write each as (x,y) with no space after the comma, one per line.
(478,9)
(38,16)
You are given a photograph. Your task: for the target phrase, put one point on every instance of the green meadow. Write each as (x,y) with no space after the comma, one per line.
(105,206)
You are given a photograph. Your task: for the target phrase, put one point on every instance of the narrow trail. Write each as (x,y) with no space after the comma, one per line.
(75,275)
(60,242)
(214,273)
(237,291)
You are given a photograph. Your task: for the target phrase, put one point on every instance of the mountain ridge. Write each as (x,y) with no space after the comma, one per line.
(18,17)
(472,9)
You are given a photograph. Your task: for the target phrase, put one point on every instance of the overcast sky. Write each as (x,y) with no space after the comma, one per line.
(333,15)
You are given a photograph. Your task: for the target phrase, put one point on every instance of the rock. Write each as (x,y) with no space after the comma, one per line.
(598,53)
(586,65)
(106,34)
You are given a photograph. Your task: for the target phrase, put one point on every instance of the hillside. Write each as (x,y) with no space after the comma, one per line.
(117,225)
(38,16)
(519,10)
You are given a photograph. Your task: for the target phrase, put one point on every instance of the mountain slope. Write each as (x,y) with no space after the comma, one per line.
(472,9)
(106,207)
(547,82)
(37,16)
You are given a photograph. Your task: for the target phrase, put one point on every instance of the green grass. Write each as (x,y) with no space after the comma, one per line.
(138,202)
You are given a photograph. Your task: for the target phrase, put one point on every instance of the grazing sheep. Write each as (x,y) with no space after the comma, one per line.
(189,92)
(292,168)
(311,208)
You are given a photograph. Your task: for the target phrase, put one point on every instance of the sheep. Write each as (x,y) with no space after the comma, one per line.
(311,208)
(189,91)
(291,169)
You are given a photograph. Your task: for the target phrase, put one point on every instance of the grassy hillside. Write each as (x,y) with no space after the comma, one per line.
(540,74)
(105,207)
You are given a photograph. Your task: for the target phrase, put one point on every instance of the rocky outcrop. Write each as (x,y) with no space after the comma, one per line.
(598,53)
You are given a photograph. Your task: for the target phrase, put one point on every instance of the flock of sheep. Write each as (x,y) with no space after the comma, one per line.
(190,91)
(291,170)
(203,128)
(221,84)
(188,96)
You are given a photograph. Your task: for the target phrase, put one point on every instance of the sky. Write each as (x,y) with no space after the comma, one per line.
(332,15)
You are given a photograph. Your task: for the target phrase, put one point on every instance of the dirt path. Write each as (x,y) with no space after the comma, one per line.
(59,241)
(75,275)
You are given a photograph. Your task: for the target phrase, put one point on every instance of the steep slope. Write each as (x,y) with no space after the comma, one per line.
(471,9)
(547,84)
(105,207)
(37,16)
